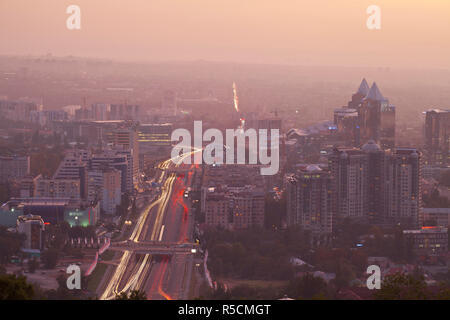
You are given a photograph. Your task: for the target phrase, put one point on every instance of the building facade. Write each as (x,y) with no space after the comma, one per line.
(33,227)
(14,167)
(309,201)
(437,136)
(377,186)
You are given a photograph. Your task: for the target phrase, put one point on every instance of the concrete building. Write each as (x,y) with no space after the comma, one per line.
(14,167)
(309,201)
(349,169)
(232,196)
(374,118)
(439,217)
(46,117)
(437,136)
(377,186)
(234,210)
(124,112)
(111,190)
(377,119)
(217,211)
(127,141)
(113,159)
(51,210)
(100,111)
(74,167)
(402,187)
(155,137)
(428,240)
(347,123)
(57,188)
(33,227)
(19,110)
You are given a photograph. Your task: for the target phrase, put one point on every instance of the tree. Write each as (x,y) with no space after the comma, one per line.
(15,288)
(32,265)
(57,235)
(10,244)
(50,258)
(344,274)
(403,287)
(307,287)
(62,292)
(133,295)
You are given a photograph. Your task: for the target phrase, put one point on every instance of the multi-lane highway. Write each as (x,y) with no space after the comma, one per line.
(166,224)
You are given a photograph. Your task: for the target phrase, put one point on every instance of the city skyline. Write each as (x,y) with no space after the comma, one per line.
(224,150)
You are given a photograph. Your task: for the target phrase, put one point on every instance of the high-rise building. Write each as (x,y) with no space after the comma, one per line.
(309,201)
(112,159)
(126,140)
(374,180)
(358,97)
(347,123)
(377,186)
(437,136)
(155,137)
(74,167)
(100,111)
(349,172)
(428,240)
(403,197)
(375,118)
(124,112)
(111,190)
(19,110)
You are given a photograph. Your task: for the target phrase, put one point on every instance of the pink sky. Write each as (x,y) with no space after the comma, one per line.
(414,33)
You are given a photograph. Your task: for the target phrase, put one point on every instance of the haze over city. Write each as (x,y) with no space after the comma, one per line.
(224,150)
(413,34)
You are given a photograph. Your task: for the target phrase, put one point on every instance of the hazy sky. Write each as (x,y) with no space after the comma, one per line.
(307,32)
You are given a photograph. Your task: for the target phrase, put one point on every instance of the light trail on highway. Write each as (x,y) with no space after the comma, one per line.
(143,267)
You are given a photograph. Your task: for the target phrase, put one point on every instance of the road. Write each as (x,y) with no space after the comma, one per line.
(167,220)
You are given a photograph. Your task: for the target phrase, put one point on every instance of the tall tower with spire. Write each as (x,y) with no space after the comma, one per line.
(358,97)
(377,118)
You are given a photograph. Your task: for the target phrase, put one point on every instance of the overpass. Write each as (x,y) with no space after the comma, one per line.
(153,247)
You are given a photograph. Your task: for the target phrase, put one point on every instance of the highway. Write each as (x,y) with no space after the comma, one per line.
(162,273)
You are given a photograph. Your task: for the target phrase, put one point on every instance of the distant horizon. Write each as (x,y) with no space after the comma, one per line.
(200,60)
(412,33)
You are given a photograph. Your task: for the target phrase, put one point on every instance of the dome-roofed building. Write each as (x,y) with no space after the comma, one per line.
(371,146)
(313,167)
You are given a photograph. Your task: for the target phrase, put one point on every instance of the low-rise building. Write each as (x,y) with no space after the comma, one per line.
(32,226)
(428,240)
(14,167)
(51,210)
(439,217)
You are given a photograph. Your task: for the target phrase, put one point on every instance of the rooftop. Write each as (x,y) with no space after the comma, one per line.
(375,94)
